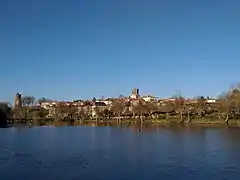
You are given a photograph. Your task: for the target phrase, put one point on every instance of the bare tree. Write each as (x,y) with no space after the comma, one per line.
(224,107)
(179,106)
(117,107)
(201,107)
(235,102)
(28,100)
(43,99)
(141,109)
(151,107)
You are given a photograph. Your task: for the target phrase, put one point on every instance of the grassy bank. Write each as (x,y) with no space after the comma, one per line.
(130,122)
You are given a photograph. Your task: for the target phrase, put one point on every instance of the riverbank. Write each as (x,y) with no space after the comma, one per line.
(130,122)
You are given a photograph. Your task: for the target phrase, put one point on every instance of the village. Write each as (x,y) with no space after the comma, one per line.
(95,106)
(105,107)
(134,108)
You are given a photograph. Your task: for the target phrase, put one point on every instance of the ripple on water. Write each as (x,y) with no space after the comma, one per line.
(51,156)
(78,160)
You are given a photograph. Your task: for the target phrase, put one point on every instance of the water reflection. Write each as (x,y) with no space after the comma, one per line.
(119,152)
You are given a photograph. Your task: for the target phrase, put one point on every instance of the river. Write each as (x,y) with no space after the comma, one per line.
(114,153)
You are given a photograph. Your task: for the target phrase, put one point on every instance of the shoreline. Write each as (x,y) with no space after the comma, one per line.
(127,123)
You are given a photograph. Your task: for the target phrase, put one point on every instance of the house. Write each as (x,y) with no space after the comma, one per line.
(107,102)
(48,104)
(98,107)
(52,106)
(85,107)
(191,101)
(149,98)
(165,101)
(210,101)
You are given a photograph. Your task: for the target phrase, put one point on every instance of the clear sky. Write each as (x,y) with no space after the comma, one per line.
(72,49)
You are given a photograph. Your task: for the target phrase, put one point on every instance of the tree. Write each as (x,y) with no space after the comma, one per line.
(179,105)
(42,113)
(117,107)
(105,113)
(121,96)
(140,109)
(234,98)
(84,114)
(229,103)
(71,112)
(32,113)
(28,100)
(42,100)
(201,106)
(5,113)
(151,107)
(188,111)
(224,106)
(61,112)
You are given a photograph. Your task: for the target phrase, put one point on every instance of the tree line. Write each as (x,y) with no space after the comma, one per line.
(225,109)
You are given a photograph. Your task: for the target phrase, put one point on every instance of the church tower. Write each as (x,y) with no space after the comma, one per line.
(135,93)
(18,100)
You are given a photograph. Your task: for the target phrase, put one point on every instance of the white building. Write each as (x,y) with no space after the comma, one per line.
(47,104)
(149,98)
(210,100)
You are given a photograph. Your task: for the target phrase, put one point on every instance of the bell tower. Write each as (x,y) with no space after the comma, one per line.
(18,100)
(135,93)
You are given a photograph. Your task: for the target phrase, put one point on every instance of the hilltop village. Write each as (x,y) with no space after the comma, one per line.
(121,105)
(134,108)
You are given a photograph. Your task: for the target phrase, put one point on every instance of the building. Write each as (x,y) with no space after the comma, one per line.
(149,98)
(135,93)
(167,100)
(48,104)
(108,101)
(211,101)
(98,107)
(18,100)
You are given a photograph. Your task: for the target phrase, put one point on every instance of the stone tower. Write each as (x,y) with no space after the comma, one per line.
(135,93)
(18,100)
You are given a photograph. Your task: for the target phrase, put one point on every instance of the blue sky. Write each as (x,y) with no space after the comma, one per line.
(70,49)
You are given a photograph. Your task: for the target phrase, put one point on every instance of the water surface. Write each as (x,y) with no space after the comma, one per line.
(108,153)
